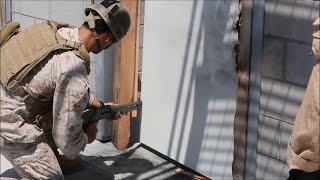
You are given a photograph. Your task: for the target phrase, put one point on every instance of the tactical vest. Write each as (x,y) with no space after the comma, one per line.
(22,50)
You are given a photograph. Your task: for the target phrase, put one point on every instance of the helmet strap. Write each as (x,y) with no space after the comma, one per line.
(92,26)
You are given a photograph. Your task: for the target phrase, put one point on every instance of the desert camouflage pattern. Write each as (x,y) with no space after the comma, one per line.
(61,78)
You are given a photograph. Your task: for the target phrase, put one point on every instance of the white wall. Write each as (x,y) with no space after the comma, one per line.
(189,82)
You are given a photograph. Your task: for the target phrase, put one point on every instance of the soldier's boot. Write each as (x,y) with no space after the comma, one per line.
(69,166)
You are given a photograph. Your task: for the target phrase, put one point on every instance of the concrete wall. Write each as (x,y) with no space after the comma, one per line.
(286,68)
(189,82)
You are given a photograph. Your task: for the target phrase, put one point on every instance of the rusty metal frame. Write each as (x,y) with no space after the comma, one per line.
(251,21)
(242,103)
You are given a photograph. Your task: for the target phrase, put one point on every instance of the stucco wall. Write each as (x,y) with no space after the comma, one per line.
(189,82)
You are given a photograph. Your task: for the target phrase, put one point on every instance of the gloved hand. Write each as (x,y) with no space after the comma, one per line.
(118,115)
(91,132)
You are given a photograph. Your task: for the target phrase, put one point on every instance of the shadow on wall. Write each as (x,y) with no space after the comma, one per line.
(285,18)
(287,62)
(287,65)
(209,82)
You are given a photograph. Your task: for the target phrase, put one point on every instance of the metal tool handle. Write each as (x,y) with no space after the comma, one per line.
(108,112)
(124,109)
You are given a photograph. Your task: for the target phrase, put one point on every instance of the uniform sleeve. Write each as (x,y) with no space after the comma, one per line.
(70,99)
(92,98)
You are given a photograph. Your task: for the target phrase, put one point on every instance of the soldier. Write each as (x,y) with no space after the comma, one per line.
(44,76)
(303,148)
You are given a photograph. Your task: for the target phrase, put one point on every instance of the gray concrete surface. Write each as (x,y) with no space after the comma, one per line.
(299,63)
(103,162)
(291,19)
(67,11)
(280,100)
(271,169)
(273,58)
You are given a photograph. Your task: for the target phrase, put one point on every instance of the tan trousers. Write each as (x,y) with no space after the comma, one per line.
(23,144)
(33,161)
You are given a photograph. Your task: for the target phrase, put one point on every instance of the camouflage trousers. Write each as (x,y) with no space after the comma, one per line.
(24,145)
(53,166)
(33,161)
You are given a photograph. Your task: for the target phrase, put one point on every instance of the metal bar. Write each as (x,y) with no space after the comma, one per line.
(8,10)
(255,87)
(123,109)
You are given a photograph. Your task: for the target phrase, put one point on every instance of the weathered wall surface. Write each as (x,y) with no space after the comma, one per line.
(189,82)
(287,65)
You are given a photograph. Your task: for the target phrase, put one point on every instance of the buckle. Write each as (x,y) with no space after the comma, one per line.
(73,44)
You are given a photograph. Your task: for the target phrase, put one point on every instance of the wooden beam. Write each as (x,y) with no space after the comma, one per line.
(125,74)
(242,104)
(137,58)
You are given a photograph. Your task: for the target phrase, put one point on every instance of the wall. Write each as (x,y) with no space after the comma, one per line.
(286,68)
(189,82)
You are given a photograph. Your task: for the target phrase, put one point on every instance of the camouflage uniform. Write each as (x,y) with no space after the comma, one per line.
(61,78)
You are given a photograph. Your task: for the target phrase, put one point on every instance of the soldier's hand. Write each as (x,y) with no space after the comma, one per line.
(118,115)
(91,132)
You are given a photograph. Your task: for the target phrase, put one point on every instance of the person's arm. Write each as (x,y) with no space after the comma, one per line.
(70,99)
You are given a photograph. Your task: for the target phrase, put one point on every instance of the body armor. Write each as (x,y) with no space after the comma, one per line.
(23,50)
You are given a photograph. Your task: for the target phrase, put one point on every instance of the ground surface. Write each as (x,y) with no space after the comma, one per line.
(104,161)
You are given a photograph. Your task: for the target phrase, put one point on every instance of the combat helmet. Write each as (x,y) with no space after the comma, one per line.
(114,14)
